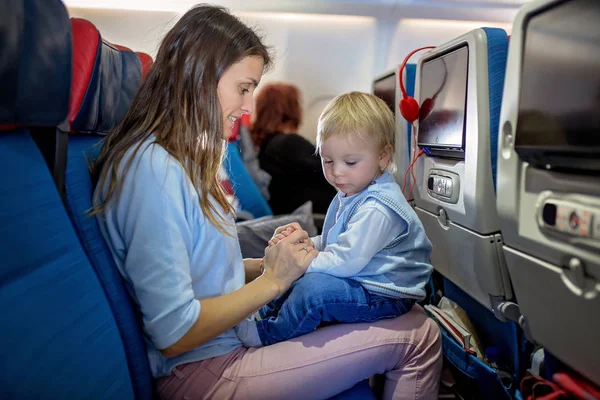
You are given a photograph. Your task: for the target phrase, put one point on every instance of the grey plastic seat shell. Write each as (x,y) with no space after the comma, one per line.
(556,281)
(465,235)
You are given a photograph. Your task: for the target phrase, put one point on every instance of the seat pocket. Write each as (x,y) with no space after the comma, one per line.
(474,379)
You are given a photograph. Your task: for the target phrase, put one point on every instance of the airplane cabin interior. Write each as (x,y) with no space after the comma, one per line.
(497,149)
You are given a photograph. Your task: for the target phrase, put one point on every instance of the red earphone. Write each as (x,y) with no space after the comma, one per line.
(409,108)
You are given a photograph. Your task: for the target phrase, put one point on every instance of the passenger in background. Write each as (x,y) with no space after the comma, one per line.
(289,158)
(373,260)
(170,230)
(250,157)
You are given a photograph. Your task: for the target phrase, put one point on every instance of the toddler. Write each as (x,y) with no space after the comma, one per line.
(373,259)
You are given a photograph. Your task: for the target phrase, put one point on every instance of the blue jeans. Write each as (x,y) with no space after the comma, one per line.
(317,298)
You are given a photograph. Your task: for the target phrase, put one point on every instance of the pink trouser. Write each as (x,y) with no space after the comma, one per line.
(406,349)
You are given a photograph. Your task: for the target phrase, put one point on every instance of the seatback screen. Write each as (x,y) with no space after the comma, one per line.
(385,89)
(443,98)
(558,122)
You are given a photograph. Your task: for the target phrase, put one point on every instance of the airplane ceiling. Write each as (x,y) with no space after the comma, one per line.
(480,10)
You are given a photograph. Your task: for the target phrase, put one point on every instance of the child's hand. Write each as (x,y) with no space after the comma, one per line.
(284,231)
(279,236)
(308,242)
(294,226)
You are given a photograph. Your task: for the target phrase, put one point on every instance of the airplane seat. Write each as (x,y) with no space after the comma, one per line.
(455,199)
(57,323)
(409,84)
(387,87)
(548,177)
(249,195)
(118,46)
(104,82)
(146,61)
(455,190)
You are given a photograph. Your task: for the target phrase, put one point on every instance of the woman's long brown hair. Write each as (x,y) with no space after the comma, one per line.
(277,106)
(178,104)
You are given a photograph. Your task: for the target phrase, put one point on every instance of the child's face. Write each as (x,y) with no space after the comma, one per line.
(350,163)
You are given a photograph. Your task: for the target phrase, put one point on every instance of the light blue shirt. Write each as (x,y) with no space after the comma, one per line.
(375,238)
(170,255)
(353,249)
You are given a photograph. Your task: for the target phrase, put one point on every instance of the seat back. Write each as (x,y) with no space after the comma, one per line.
(249,195)
(550,216)
(104,83)
(455,197)
(146,61)
(59,336)
(410,78)
(387,87)
(410,75)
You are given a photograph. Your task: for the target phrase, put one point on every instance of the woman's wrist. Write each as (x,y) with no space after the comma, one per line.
(252,267)
(268,287)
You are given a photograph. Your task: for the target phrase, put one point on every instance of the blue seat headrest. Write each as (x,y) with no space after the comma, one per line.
(497,55)
(105,80)
(35,45)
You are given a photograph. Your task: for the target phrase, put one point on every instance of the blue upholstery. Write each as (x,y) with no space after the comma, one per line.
(251,200)
(79,192)
(114,80)
(59,338)
(29,58)
(409,85)
(497,54)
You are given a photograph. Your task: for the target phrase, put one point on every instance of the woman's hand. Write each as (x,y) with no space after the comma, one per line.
(288,259)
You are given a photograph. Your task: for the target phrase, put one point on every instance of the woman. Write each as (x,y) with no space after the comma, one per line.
(171,233)
(288,157)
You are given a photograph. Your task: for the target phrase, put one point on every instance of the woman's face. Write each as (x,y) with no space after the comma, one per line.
(236,90)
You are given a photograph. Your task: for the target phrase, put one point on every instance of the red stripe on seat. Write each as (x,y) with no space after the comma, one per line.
(86,40)
(146,61)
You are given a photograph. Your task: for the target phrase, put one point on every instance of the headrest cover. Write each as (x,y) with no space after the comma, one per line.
(86,40)
(118,46)
(105,80)
(146,61)
(35,62)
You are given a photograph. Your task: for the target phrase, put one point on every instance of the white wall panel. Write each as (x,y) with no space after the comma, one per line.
(324,55)
(138,30)
(414,33)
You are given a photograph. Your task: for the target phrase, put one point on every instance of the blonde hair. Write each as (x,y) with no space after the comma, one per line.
(361,114)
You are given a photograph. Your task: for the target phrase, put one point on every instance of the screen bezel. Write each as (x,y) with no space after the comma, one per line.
(383,78)
(451,151)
